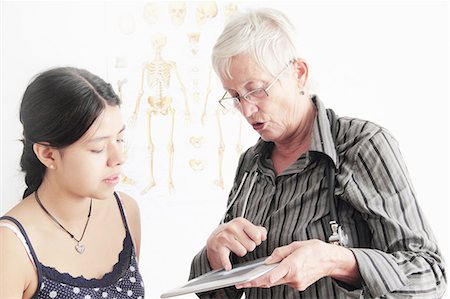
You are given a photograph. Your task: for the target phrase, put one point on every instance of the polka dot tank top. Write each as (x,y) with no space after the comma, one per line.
(124,281)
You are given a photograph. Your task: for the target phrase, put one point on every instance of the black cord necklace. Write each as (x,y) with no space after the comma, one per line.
(80,248)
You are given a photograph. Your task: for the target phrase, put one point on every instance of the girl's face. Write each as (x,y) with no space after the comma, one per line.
(91,166)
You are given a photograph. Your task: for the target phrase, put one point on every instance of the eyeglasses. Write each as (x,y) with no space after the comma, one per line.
(254,96)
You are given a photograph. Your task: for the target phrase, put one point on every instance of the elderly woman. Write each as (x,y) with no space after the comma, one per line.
(309,174)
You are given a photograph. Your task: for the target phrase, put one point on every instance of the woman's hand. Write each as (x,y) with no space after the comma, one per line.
(238,236)
(302,263)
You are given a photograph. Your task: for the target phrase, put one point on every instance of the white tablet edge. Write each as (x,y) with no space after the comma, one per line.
(218,284)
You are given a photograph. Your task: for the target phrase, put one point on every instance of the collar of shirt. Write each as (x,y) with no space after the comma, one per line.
(322,140)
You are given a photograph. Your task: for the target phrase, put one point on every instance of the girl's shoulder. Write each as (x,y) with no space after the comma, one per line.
(16,268)
(129,204)
(23,211)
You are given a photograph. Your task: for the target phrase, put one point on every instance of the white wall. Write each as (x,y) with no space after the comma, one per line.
(386,62)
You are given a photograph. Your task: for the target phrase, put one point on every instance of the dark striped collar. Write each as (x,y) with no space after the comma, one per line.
(322,141)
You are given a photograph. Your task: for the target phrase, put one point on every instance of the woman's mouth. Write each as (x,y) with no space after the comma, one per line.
(258,126)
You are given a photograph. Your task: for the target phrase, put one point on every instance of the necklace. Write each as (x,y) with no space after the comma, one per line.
(80,248)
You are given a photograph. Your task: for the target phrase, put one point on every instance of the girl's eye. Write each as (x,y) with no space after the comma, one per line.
(97,151)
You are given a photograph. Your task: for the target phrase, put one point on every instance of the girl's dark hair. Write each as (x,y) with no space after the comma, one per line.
(57,108)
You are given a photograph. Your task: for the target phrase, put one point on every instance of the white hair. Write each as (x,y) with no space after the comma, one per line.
(265,34)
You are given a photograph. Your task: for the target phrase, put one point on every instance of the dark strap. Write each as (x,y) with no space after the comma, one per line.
(331,170)
(122,212)
(33,253)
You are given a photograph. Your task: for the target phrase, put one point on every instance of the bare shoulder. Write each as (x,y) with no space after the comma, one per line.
(11,243)
(17,271)
(23,210)
(129,203)
(133,219)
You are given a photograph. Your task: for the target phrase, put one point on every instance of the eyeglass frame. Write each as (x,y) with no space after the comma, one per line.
(237,99)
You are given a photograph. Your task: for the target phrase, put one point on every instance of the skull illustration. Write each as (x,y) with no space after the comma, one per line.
(177,12)
(206,10)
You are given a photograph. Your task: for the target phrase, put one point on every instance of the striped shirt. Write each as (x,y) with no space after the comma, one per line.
(376,204)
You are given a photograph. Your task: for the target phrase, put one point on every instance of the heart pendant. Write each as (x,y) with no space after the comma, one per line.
(80,248)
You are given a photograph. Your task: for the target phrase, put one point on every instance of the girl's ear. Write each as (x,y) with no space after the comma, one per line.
(46,154)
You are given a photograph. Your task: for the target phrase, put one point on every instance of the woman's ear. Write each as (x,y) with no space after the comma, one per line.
(301,71)
(45,153)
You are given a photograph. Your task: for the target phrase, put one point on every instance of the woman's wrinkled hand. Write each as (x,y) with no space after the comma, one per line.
(239,236)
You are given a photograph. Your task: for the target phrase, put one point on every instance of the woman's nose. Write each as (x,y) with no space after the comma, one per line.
(247,108)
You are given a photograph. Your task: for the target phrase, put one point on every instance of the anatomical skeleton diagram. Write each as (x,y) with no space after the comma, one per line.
(157,75)
(220,117)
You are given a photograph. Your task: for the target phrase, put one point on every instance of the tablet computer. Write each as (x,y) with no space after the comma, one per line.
(220,278)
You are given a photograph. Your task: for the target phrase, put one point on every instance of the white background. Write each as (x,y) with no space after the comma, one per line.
(382,61)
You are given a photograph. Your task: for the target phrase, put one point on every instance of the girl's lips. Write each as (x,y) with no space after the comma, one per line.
(112,180)
(258,126)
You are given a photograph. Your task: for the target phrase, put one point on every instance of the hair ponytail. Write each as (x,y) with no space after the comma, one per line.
(33,168)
